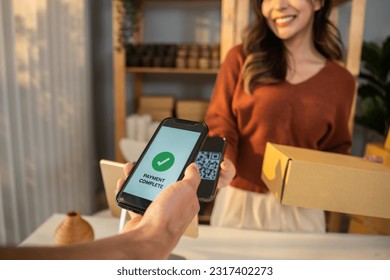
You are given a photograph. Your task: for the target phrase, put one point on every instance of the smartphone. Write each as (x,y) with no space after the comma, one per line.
(209,163)
(173,146)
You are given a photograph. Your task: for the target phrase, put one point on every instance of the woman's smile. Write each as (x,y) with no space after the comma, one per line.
(283,21)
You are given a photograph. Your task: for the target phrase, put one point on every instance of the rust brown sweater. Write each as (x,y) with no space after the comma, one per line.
(313,114)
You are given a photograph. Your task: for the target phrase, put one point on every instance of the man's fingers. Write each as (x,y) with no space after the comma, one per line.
(127,168)
(191,175)
(119,184)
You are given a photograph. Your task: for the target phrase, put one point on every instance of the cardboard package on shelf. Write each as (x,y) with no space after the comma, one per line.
(159,107)
(157,114)
(328,181)
(194,110)
(157,101)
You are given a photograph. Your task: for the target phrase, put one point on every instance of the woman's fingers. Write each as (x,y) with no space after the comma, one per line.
(228,171)
(373,158)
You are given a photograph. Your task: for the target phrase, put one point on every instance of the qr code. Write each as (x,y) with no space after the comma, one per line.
(208,164)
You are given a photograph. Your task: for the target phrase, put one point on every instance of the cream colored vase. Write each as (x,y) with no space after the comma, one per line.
(74,229)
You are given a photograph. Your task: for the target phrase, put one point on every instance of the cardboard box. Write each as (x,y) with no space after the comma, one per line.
(157,114)
(194,110)
(328,181)
(163,102)
(198,107)
(191,117)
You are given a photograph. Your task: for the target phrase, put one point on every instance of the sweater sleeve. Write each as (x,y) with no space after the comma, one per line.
(220,116)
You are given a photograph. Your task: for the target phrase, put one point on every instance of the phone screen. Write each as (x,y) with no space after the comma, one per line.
(208,163)
(163,162)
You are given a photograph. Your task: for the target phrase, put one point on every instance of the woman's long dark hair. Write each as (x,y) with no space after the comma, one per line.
(266,56)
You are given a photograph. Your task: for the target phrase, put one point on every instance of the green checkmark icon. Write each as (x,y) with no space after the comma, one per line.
(163,161)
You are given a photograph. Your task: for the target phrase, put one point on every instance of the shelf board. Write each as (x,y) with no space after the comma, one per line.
(169,70)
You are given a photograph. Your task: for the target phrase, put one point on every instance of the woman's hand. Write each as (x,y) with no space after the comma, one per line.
(227,173)
(373,158)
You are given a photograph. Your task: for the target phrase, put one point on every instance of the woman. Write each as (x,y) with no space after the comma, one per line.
(281,85)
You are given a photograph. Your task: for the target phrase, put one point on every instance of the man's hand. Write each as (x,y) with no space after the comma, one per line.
(177,202)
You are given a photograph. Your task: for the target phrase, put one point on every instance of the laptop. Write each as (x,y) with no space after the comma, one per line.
(111,171)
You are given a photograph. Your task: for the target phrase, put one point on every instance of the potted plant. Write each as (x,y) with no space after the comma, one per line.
(373,109)
(127,20)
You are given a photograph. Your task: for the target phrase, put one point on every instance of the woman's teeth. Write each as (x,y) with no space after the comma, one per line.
(283,20)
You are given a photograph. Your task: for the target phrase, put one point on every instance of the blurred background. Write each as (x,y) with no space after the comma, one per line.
(56,96)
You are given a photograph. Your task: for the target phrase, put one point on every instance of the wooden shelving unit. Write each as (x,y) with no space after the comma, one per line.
(234,17)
